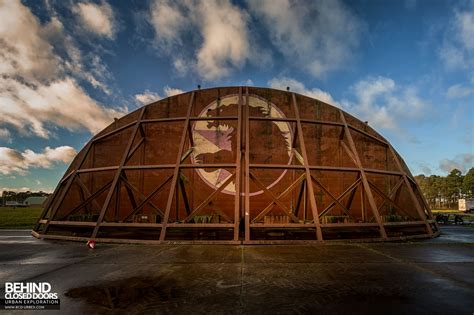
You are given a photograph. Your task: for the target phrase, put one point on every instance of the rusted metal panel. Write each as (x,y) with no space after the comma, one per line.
(236,164)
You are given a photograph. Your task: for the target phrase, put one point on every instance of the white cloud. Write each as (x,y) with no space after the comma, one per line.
(218,26)
(147,97)
(172,91)
(425,169)
(465,21)
(225,44)
(318,36)
(180,66)
(5,135)
(378,100)
(16,162)
(457,50)
(23,51)
(37,89)
(385,104)
(87,67)
(298,87)
(459,91)
(97,18)
(168,22)
(462,162)
(32,109)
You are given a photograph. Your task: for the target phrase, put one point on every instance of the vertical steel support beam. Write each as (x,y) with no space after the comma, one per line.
(247,166)
(141,185)
(300,196)
(176,169)
(309,183)
(177,199)
(238,172)
(305,201)
(117,202)
(365,182)
(420,211)
(118,174)
(185,197)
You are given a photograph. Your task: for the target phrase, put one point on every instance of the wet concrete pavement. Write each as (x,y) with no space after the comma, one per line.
(423,277)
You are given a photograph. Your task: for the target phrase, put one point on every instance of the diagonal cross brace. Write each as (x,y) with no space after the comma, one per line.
(198,194)
(274,198)
(144,199)
(330,195)
(393,193)
(209,198)
(89,199)
(281,195)
(352,187)
(386,198)
(86,191)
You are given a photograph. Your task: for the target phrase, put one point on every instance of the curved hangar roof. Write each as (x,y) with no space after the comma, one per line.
(237,164)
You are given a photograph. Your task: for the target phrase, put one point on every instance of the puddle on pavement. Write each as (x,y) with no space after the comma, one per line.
(127,293)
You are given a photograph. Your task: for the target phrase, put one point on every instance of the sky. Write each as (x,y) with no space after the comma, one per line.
(68,68)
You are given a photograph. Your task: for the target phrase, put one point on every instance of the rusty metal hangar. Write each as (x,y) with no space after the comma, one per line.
(237,165)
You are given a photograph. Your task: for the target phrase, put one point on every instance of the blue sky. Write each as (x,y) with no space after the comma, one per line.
(69,67)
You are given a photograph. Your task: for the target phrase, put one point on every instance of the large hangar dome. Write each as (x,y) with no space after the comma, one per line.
(237,165)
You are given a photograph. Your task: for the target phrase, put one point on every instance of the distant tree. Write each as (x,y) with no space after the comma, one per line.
(468,184)
(453,187)
(444,192)
(20,196)
(426,188)
(439,187)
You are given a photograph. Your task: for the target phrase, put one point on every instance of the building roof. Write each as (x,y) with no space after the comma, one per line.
(34,200)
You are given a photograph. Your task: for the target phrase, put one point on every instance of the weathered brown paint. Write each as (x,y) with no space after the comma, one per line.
(130,180)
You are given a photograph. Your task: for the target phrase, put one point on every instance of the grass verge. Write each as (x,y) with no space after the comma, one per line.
(19,218)
(446,211)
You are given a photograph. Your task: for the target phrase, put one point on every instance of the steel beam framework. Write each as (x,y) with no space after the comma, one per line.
(297,213)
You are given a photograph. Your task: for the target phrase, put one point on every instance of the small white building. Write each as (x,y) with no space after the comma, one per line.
(466,205)
(13,203)
(34,201)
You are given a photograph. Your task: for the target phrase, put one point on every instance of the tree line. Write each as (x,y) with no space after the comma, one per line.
(20,196)
(443,192)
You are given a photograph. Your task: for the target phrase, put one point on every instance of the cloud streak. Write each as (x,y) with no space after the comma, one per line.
(380,100)
(457,50)
(5,135)
(318,36)
(37,91)
(459,91)
(386,104)
(16,162)
(96,18)
(148,96)
(32,109)
(295,86)
(461,162)
(215,30)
